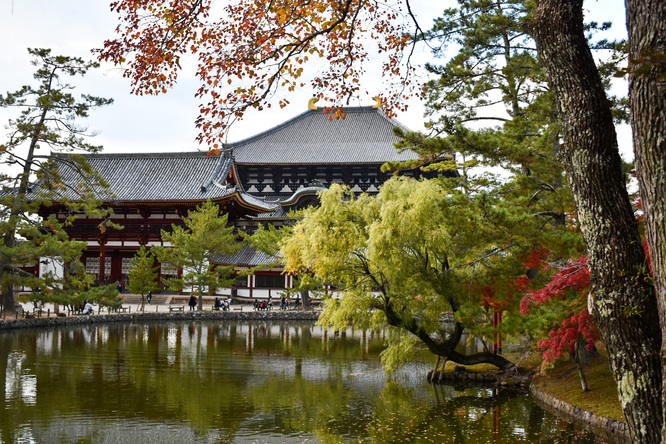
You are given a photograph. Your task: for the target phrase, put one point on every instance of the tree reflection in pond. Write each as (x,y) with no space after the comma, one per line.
(243,382)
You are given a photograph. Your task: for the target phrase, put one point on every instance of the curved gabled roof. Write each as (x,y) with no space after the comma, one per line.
(305,191)
(162,177)
(247,256)
(364,136)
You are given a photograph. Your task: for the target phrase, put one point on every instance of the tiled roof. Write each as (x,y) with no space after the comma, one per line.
(278,213)
(305,191)
(156,177)
(286,202)
(247,256)
(364,136)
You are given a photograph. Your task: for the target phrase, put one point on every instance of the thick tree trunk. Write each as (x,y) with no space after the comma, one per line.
(621,302)
(646,23)
(446,347)
(305,295)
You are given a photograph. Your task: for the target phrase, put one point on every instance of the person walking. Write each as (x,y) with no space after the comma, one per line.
(193,301)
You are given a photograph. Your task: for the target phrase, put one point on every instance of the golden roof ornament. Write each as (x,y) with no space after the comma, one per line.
(378,102)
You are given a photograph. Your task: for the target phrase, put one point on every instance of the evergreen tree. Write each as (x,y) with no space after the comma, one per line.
(205,234)
(75,287)
(48,118)
(491,107)
(143,274)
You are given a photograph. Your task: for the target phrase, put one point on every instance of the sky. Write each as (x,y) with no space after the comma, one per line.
(165,123)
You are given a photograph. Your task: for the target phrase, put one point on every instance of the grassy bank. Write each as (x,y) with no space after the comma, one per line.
(563,382)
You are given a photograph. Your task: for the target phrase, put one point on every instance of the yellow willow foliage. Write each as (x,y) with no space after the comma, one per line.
(398,240)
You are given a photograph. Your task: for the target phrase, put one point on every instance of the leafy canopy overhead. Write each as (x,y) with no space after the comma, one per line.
(247,50)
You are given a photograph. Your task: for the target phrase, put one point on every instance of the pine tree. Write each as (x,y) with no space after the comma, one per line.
(48,118)
(205,234)
(143,274)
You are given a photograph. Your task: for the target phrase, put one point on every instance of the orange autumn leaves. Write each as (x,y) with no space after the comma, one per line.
(249,50)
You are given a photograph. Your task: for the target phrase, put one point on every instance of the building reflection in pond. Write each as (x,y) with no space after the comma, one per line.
(243,382)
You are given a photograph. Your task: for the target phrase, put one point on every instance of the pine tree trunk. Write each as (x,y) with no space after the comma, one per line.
(646,23)
(623,307)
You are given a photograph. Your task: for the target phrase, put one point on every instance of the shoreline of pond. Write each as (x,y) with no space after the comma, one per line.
(235,315)
(611,426)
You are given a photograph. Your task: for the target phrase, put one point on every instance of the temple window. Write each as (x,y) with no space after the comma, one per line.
(270,281)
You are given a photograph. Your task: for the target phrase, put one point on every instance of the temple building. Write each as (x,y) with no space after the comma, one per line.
(256,180)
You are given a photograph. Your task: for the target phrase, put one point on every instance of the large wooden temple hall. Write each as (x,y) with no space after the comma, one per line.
(256,180)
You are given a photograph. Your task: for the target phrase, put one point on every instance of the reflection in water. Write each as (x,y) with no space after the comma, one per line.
(243,382)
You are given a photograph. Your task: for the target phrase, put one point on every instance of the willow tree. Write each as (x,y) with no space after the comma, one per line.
(406,257)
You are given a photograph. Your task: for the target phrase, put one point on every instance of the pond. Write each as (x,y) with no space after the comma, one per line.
(244,382)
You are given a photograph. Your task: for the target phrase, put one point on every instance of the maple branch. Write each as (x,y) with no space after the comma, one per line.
(416,23)
(192,13)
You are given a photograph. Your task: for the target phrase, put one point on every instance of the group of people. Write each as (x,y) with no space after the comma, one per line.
(284,302)
(265,304)
(218,305)
(221,305)
(259,304)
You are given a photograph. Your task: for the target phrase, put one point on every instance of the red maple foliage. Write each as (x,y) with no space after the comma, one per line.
(522,283)
(536,257)
(572,279)
(565,338)
(574,276)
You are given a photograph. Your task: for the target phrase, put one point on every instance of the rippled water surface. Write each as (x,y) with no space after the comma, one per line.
(243,382)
